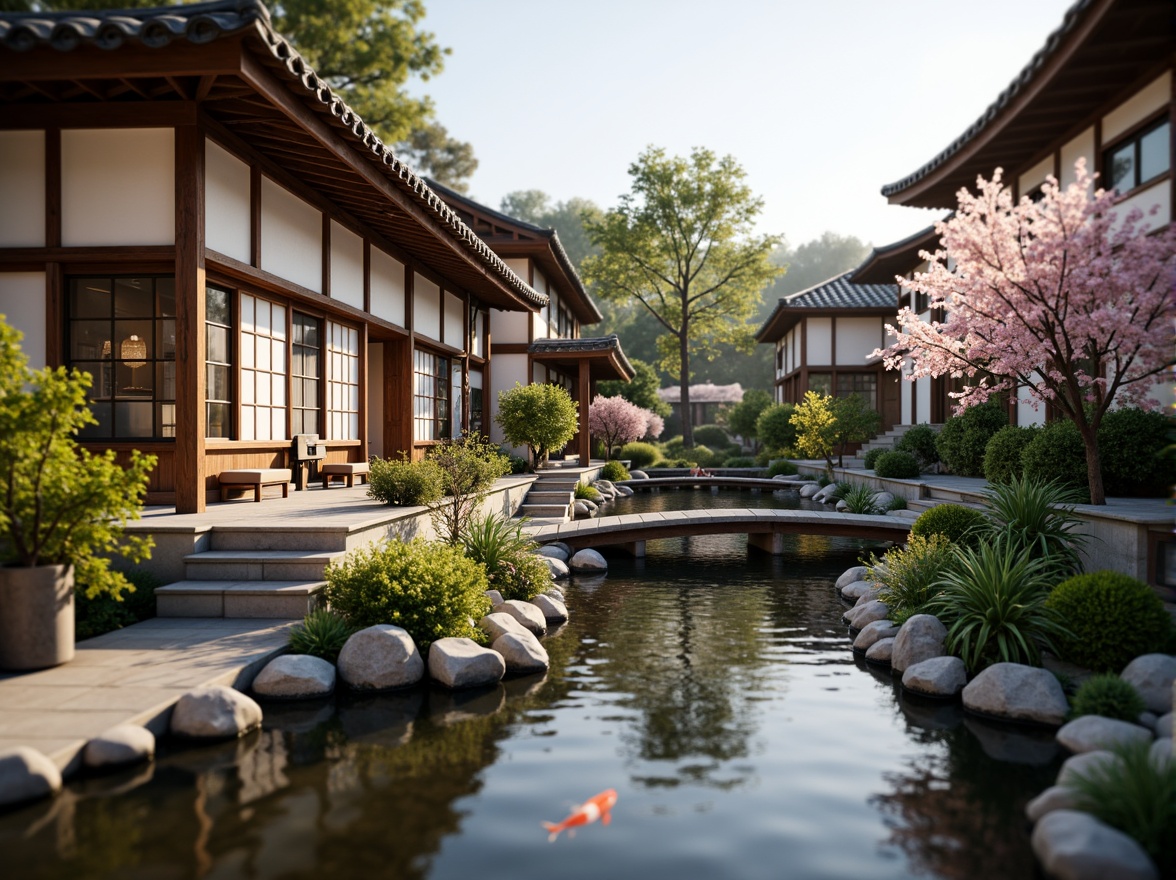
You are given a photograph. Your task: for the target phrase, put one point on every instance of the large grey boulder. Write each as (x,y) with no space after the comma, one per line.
(216,712)
(855,589)
(295,677)
(936,677)
(499,623)
(551,608)
(558,568)
(920,638)
(1153,676)
(1056,797)
(638,475)
(874,632)
(583,509)
(882,500)
(463,663)
(1018,693)
(857,573)
(880,652)
(869,596)
(1072,845)
(525,613)
(522,653)
(860,615)
(1084,764)
(555,551)
(808,490)
(1091,732)
(554,592)
(1164,725)
(120,745)
(25,775)
(589,562)
(495,597)
(379,658)
(624,491)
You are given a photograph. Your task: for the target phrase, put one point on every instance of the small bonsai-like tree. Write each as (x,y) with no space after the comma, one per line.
(59,504)
(616,421)
(468,467)
(541,417)
(816,428)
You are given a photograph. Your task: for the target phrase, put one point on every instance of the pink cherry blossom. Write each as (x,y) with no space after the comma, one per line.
(616,421)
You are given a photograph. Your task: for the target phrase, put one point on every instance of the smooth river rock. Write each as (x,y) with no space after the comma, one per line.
(808,490)
(869,596)
(463,663)
(880,652)
(525,613)
(638,475)
(936,677)
(551,608)
(1056,797)
(1018,693)
(555,551)
(120,745)
(558,568)
(1153,676)
(857,573)
(920,638)
(522,653)
(856,589)
(381,657)
(499,623)
(1091,732)
(216,712)
(1084,764)
(860,615)
(874,632)
(588,561)
(295,677)
(25,775)
(495,597)
(1072,845)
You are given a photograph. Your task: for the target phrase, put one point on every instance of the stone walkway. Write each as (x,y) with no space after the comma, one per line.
(131,675)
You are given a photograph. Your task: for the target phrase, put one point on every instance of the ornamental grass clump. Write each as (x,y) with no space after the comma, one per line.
(908,576)
(992,600)
(507,554)
(1108,696)
(1038,519)
(1136,794)
(860,499)
(322,633)
(1114,618)
(431,589)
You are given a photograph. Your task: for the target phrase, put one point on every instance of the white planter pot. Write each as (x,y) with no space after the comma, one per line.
(36,616)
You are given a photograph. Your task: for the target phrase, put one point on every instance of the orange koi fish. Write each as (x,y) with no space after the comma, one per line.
(592,809)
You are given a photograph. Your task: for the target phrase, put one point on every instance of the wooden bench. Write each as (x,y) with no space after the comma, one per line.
(346,471)
(257,478)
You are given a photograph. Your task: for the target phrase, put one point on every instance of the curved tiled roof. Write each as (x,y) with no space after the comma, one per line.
(202,23)
(838,292)
(610,343)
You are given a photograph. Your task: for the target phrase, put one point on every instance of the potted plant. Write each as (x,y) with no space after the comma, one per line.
(62,509)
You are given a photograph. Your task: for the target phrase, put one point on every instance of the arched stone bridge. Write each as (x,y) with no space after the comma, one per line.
(764,528)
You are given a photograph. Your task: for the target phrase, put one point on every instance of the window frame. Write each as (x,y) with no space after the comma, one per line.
(1134,137)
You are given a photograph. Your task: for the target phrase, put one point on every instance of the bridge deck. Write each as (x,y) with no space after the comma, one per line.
(635,527)
(688,482)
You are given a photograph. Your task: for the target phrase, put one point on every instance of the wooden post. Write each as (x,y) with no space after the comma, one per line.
(585,389)
(190,314)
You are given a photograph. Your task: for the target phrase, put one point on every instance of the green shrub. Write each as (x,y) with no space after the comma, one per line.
(960,525)
(897,503)
(739,461)
(431,589)
(613,471)
(1039,519)
(871,457)
(640,455)
(1113,617)
(1131,446)
(404,483)
(322,633)
(919,441)
(963,438)
(468,466)
(897,466)
(522,578)
(1057,454)
(860,499)
(584,492)
(841,489)
(518,464)
(993,603)
(674,447)
(1109,696)
(103,612)
(774,426)
(1137,795)
(908,575)
(508,555)
(702,456)
(1002,455)
(712,436)
(781,466)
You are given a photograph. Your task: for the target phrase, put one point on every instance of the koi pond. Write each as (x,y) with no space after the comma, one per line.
(713,689)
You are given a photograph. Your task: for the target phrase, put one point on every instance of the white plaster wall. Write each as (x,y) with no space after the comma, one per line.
(856,338)
(906,392)
(291,237)
(1157,196)
(819,342)
(118,186)
(22,302)
(508,369)
(1026,414)
(923,400)
(538,374)
(426,307)
(1035,176)
(346,266)
(521,266)
(1138,107)
(1081,147)
(227,220)
(455,322)
(509,326)
(22,189)
(542,318)
(387,294)
(375,399)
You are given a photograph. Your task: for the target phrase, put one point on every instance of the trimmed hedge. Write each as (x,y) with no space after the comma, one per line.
(919,441)
(963,438)
(739,461)
(640,455)
(613,471)
(404,483)
(781,466)
(871,457)
(712,436)
(1056,453)
(1002,455)
(957,523)
(1131,446)
(897,465)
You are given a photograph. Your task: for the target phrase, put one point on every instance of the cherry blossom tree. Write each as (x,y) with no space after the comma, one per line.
(1067,300)
(654,425)
(616,421)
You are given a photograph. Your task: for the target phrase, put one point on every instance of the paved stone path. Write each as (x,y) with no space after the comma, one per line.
(132,675)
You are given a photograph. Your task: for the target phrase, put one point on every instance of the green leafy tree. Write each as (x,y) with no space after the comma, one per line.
(541,417)
(775,428)
(566,218)
(741,418)
(681,244)
(856,421)
(642,390)
(816,428)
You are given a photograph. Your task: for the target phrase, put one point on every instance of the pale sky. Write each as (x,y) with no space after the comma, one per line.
(821,101)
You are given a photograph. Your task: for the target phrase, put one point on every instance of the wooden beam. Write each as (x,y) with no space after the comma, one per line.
(105,114)
(180,59)
(53,188)
(116,254)
(585,390)
(190,316)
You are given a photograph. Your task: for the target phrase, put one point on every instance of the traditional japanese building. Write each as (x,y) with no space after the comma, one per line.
(191,215)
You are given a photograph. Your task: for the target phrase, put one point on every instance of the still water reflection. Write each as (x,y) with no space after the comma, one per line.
(714,690)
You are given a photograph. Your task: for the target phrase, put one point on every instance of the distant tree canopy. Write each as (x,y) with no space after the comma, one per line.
(566,218)
(642,390)
(367,50)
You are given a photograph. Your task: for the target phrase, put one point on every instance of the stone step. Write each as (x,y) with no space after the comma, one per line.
(556,483)
(259,565)
(553,497)
(287,600)
(543,510)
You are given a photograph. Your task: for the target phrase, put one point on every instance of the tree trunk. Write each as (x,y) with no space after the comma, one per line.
(1094,478)
(684,380)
